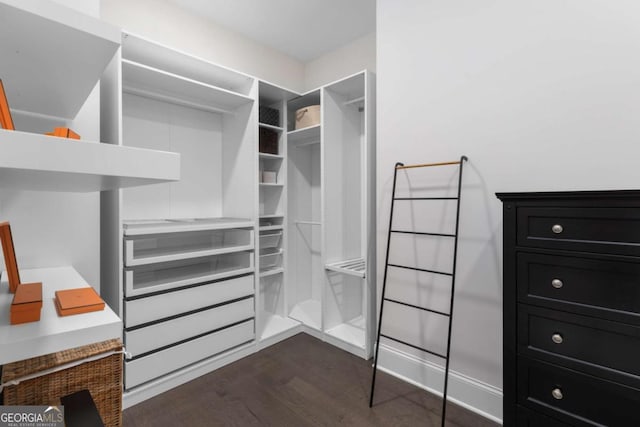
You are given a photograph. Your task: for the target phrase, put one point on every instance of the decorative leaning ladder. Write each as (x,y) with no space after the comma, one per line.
(449,314)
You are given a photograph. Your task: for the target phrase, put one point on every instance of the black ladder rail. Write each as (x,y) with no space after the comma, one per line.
(453,277)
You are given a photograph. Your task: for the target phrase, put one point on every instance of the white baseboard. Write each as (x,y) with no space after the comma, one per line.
(474,395)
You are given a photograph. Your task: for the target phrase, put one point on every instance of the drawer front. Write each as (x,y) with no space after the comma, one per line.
(580,283)
(162,334)
(574,397)
(579,340)
(156,307)
(529,418)
(148,279)
(609,230)
(149,249)
(143,369)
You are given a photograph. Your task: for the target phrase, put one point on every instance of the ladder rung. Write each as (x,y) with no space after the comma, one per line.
(414,346)
(425,198)
(420,269)
(422,233)
(441,313)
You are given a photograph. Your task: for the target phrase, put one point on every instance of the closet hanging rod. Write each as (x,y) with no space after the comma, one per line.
(308,222)
(354,101)
(306,144)
(427,165)
(174,100)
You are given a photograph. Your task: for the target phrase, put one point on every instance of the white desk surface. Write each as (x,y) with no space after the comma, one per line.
(52,333)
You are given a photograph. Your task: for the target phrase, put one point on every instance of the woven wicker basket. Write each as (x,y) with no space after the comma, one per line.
(102,377)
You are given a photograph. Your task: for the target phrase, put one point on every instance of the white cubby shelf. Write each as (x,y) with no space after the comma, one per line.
(30,161)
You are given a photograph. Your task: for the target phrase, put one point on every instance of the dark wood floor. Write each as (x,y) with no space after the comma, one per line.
(298,382)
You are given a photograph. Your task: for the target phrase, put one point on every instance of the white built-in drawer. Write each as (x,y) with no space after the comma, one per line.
(156,307)
(170,275)
(165,333)
(155,248)
(157,364)
(270,239)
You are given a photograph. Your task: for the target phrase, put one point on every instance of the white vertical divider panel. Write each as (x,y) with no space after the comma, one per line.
(111,201)
(239,163)
(370,203)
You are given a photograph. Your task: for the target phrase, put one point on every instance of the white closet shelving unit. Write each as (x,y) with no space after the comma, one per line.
(47,82)
(304,221)
(349,212)
(273,323)
(182,254)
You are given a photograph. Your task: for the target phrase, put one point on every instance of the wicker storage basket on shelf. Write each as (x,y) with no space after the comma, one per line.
(102,377)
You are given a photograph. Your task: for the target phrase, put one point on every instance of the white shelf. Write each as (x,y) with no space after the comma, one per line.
(144,51)
(351,332)
(271,271)
(305,136)
(52,333)
(178,225)
(272,216)
(275,325)
(308,313)
(272,127)
(270,156)
(52,56)
(30,161)
(142,80)
(353,267)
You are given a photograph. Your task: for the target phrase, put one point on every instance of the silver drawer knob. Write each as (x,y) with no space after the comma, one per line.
(557,229)
(557,283)
(557,338)
(557,394)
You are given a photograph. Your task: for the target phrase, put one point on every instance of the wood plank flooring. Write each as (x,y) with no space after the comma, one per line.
(298,382)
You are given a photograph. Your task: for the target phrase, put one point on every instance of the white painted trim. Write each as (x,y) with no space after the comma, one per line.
(471,394)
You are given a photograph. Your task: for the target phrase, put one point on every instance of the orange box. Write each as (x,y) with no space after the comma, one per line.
(65,133)
(78,301)
(27,303)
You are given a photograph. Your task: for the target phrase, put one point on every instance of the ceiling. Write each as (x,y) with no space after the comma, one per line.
(303,29)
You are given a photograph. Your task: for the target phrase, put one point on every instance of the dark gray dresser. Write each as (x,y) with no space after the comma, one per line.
(571,290)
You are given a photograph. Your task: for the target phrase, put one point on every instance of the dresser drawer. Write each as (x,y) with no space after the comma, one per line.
(580,342)
(528,418)
(609,230)
(574,397)
(142,369)
(580,283)
(158,335)
(148,309)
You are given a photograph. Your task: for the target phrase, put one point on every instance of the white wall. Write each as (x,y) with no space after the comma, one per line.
(57,229)
(541,95)
(351,58)
(168,24)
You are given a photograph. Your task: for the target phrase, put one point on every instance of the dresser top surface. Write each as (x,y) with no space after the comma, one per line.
(564,195)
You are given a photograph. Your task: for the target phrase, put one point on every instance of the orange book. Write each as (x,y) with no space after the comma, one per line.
(6,122)
(10,261)
(77,301)
(65,133)
(27,303)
